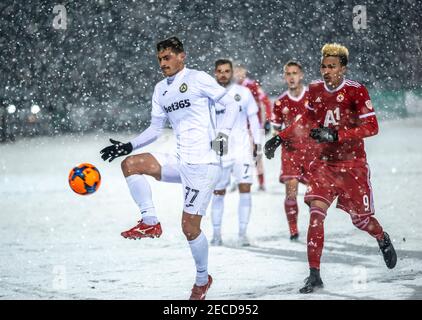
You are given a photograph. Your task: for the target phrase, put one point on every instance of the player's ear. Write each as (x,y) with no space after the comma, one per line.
(182,56)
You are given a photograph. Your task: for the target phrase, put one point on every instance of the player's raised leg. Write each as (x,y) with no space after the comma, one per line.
(135,168)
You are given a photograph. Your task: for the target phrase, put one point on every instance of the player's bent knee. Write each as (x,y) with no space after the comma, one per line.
(141,164)
(126,166)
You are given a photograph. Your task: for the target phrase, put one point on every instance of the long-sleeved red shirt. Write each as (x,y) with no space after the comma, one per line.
(347,109)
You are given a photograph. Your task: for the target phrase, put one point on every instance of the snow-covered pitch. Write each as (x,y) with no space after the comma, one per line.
(56,244)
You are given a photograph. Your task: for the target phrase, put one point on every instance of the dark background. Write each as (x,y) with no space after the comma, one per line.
(100,72)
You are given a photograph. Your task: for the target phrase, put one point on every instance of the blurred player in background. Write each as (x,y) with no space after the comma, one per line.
(297,155)
(340,115)
(239,160)
(264,114)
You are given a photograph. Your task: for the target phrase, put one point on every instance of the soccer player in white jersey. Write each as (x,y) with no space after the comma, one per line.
(186,98)
(239,159)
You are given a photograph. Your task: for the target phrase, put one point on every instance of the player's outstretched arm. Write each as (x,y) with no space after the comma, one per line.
(149,135)
(368,123)
(367,128)
(299,128)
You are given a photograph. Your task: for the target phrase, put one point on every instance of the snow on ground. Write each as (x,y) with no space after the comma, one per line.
(56,244)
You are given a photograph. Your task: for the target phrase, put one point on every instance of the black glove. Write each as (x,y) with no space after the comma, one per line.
(117,149)
(271,146)
(267,127)
(324,134)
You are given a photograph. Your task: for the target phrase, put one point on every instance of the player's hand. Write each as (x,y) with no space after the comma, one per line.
(117,149)
(271,146)
(257,152)
(324,134)
(220,144)
(267,127)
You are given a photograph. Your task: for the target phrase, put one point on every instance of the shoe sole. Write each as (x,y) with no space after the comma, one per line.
(139,238)
(313,289)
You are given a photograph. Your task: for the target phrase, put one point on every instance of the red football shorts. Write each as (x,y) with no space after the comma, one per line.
(295,164)
(348,181)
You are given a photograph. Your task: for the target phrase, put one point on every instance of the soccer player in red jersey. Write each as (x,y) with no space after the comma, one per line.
(264,115)
(297,155)
(340,115)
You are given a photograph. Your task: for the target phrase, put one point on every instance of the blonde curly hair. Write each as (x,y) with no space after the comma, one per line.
(336,50)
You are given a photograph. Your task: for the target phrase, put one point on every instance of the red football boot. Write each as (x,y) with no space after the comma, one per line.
(142,230)
(199,292)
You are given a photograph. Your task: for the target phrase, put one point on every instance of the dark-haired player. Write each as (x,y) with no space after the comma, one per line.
(186,99)
(239,159)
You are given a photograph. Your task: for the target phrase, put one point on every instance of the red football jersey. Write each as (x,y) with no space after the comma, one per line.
(347,109)
(287,109)
(261,99)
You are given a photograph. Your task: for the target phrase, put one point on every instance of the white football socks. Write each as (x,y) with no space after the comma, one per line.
(217,210)
(141,194)
(244,211)
(199,248)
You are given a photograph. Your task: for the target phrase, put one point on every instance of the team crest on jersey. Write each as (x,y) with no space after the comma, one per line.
(183,88)
(368,104)
(237,97)
(318,99)
(340,97)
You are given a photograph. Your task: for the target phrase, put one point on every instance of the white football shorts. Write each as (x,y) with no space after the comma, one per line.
(198,180)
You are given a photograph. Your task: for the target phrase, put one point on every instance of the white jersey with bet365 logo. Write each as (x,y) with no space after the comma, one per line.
(240,149)
(188,102)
